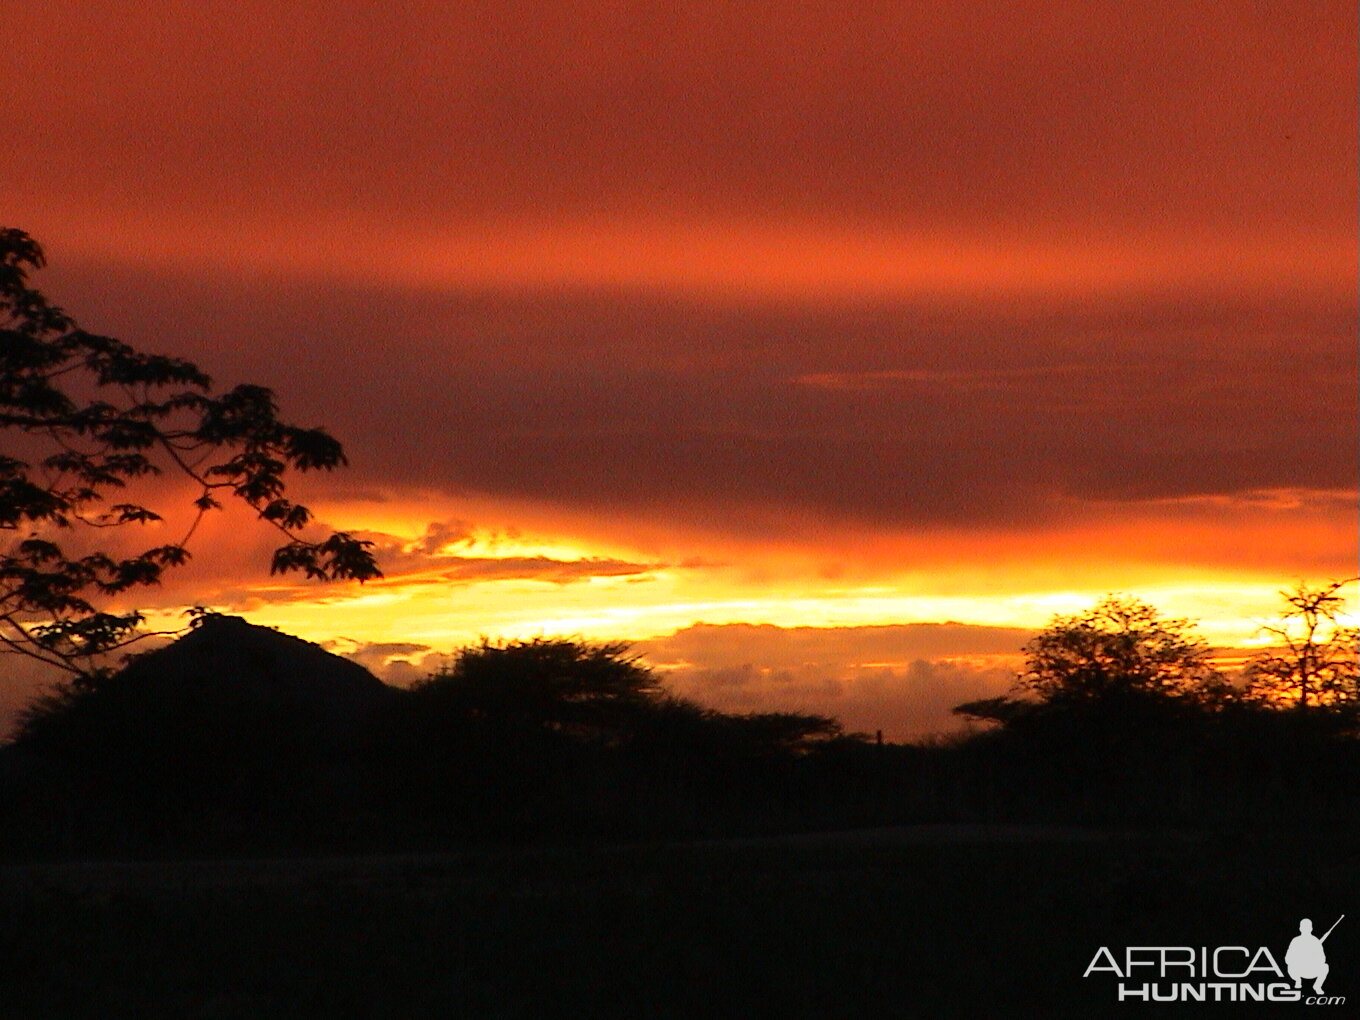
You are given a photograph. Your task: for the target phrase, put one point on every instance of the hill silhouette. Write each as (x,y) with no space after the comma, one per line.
(241,737)
(232,725)
(226,674)
(230,658)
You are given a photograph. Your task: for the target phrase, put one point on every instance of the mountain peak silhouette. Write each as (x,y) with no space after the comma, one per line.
(229,659)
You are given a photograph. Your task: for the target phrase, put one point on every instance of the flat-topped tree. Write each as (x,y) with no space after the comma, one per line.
(85,418)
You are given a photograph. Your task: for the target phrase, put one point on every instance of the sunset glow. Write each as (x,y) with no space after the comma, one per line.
(653,325)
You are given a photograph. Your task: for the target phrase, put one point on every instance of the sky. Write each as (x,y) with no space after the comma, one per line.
(771,336)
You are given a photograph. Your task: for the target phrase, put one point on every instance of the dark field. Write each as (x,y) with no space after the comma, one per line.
(928,921)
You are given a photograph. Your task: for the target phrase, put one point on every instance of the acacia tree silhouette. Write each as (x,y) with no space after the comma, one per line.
(1119,650)
(544,683)
(1118,646)
(88,415)
(1317,658)
(556,735)
(599,692)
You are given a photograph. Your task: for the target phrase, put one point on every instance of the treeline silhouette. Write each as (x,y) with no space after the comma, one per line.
(1123,716)
(238,738)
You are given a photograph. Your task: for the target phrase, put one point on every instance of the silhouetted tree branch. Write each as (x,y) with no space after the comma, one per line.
(1316,660)
(85,418)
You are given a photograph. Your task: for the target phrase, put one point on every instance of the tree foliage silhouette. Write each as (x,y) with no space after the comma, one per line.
(86,417)
(1119,650)
(559,684)
(1118,646)
(597,691)
(1316,658)
(554,735)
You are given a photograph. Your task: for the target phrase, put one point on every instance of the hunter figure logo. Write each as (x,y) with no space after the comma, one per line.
(1306,958)
(1220,973)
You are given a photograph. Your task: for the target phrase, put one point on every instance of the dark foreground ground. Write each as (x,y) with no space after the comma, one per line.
(927,921)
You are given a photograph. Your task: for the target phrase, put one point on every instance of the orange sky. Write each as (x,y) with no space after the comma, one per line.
(639,316)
